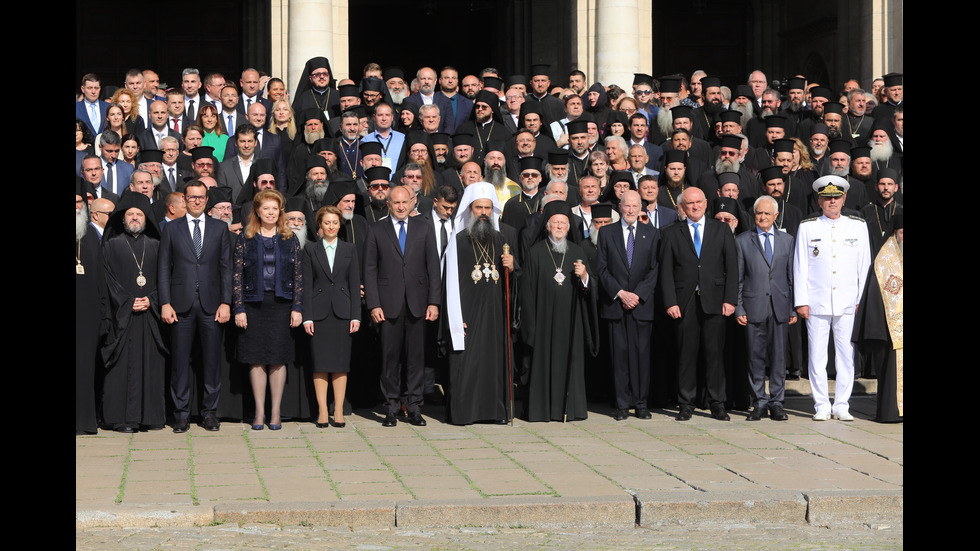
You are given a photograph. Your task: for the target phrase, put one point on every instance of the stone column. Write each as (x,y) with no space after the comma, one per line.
(617,55)
(310,35)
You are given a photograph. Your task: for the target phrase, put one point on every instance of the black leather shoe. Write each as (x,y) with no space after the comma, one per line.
(415,418)
(685,413)
(756,415)
(777,413)
(211,423)
(181,425)
(643,413)
(390,420)
(718,412)
(621,414)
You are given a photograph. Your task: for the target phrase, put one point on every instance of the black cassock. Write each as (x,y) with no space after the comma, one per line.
(135,350)
(478,374)
(560,323)
(88,283)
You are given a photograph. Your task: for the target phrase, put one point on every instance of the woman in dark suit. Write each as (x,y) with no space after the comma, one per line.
(268,295)
(331,310)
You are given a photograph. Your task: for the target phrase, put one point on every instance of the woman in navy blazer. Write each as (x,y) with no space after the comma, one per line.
(268,297)
(331,309)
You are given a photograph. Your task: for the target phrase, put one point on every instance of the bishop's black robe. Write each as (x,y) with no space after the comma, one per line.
(478,374)
(134,351)
(560,323)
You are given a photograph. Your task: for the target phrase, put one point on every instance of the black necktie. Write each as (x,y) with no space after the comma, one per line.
(444,236)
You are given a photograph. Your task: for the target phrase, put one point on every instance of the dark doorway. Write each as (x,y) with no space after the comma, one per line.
(109,39)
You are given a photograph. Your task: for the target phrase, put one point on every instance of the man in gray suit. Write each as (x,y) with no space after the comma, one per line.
(765,305)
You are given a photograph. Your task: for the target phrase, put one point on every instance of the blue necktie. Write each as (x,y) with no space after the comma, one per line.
(230,129)
(697,240)
(198,241)
(629,248)
(768,249)
(401,236)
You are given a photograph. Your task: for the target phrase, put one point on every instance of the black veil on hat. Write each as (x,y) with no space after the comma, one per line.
(551,209)
(117,220)
(312,65)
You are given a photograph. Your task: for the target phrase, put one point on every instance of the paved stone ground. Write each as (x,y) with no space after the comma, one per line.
(736,537)
(701,484)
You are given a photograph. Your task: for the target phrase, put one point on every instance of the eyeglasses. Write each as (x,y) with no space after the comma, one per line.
(379,186)
(644,92)
(530,175)
(320,74)
(195,198)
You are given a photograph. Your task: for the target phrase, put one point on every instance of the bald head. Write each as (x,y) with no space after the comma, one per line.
(101,209)
(630,206)
(693,203)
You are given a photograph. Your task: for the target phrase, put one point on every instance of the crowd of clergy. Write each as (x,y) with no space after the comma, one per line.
(533,246)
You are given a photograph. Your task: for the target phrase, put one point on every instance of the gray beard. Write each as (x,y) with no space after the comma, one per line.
(553,178)
(496,177)
(138,230)
(665,120)
(347,215)
(559,247)
(156,180)
(397,97)
(594,235)
(842,172)
(883,152)
(767,114)
(312,137)
(480,228)
(721,168)
(363,133)
(745,110)
(81,222)
(218,217)
(318,189)
(795,107)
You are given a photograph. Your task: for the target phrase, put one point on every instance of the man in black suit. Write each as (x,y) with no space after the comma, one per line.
(195,291)
(157,128)
(401,289)
(699,282)
(627,267)
(765,305)
(251,87)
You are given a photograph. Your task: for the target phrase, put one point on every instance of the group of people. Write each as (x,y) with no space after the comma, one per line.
(508,248)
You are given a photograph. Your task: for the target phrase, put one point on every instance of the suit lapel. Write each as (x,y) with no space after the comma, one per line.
(393,234)
(321,258)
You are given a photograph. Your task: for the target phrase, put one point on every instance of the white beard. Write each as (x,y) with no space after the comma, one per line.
(594,235)
(81,222)
(559,246)
(883,152)
(300,234)
(397,97)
